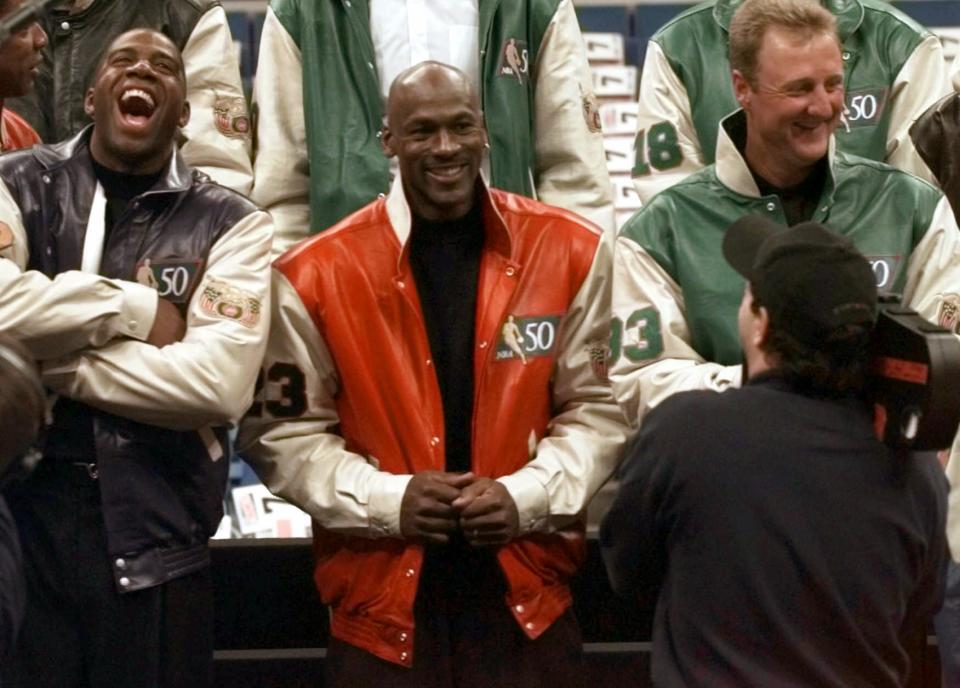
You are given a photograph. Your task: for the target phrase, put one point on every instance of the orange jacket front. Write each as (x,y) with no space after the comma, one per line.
(351,407)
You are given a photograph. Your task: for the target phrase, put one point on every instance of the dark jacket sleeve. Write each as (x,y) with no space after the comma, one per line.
(12,585)
(936,136)
(633,533)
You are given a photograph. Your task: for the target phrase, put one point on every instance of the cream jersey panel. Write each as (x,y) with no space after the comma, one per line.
(571,162)
(218,134)
(281,168)
(663,98)
(639,282)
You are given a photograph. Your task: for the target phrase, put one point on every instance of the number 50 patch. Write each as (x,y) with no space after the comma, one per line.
(527,337)
(173,278)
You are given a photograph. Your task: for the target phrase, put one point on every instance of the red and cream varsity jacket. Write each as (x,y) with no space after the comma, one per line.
(350,407)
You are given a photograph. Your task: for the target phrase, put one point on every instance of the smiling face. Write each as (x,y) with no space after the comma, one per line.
(20,55)
(436,130)
(793,104)
(137,102)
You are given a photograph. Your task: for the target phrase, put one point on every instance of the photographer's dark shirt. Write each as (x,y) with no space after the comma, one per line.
(790,548)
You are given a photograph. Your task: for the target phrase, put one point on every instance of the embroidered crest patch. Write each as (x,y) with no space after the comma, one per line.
(514,60)
(599,354)
(591,111)
(949,314)
(231,118)
(222,300)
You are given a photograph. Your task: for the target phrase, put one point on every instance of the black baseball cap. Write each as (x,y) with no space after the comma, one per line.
(811,279)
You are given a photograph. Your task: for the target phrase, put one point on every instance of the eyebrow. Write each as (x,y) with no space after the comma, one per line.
(154,56)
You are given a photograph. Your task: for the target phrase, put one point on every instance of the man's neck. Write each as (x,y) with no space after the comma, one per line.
(780,176)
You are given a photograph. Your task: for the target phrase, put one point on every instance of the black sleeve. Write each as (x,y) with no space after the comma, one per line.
(633,533)
(12,586)
(928,596)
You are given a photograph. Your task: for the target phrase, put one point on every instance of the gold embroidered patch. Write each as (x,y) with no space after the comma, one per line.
(231,118)
(591,111)
(222,300)
(949,314)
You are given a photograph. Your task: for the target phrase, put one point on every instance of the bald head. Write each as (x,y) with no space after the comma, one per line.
(429,77)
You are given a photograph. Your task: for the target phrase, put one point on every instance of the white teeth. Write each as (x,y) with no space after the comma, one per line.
(136,92)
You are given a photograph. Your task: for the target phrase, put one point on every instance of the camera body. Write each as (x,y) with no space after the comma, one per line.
(914,383)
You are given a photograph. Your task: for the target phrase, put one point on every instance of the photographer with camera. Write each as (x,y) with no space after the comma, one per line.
(789,545)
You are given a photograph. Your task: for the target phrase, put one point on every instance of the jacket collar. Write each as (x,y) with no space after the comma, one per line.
(849,14)
(499,238)
(75,151)
(731,167)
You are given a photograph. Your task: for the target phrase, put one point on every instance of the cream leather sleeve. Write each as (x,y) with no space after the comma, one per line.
(663,105)
(933,282)
(586,435)
(654,358)
(571,164)
(281,169)
(933,271)
(218,133)
(208,377)
(922,81)
(72,311)
(289,436)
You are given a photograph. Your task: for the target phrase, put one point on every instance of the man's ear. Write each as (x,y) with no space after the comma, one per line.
(88,103)
(760,331)
(387,142)
(184,114)
(741,88)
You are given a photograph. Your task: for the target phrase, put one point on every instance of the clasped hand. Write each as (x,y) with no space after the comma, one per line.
(437,504)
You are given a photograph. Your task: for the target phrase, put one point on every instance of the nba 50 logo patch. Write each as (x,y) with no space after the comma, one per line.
(527,338)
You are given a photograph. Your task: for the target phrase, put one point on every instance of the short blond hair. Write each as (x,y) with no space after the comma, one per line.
(750,22)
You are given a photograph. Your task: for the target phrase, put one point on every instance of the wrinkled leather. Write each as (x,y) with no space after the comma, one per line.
(161,493)
(936,136)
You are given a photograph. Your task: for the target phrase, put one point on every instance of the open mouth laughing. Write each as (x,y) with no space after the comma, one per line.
(136,107)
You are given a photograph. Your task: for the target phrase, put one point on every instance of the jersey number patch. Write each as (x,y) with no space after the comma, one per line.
(661,152)
(639,338)
(285,395)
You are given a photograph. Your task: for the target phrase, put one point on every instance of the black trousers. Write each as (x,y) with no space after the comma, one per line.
(78,631)
(466,637)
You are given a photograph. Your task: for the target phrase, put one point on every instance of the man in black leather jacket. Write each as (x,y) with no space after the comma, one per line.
(115,519)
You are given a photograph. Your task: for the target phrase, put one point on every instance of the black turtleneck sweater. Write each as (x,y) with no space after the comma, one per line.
(120,188)
(445,258)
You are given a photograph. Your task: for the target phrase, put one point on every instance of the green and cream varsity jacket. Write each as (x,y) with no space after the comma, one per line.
(893,70)
(320,112)
(675,299)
